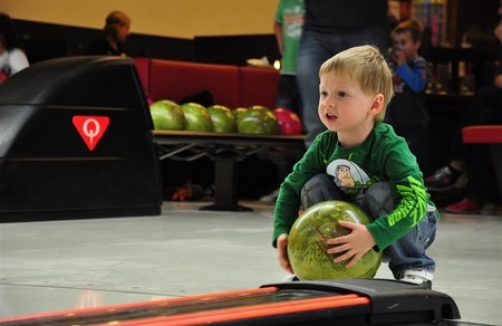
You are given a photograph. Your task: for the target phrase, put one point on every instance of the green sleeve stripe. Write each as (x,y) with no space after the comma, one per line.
(413,205)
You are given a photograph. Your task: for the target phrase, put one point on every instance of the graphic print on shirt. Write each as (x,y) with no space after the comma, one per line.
(348,176)
(293,20)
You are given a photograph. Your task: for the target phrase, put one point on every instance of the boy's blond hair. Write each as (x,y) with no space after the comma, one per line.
(366,66)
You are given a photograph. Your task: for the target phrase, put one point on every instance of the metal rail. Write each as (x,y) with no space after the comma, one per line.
(226,150)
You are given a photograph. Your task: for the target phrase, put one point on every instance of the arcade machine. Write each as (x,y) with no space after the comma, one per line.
(76,142)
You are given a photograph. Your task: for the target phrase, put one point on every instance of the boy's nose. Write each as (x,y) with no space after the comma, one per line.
(330,103)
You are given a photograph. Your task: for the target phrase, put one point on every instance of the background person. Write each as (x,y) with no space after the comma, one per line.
(475,159)
(12,57)
(331,26)
(407,111)
(287,28)
(116,31)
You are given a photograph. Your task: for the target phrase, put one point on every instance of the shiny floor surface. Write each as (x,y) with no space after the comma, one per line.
(60,265)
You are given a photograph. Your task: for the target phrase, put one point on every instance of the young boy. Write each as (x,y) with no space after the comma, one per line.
(407,112)
(355,88)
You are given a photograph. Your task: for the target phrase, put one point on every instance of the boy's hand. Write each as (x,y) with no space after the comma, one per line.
(400,57)
(352,246)
(282,253)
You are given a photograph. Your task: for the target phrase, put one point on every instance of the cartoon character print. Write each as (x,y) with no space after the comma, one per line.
(343,177)
(348,176)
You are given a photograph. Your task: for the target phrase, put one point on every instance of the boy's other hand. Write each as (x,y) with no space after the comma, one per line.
(352,246)
(282,253)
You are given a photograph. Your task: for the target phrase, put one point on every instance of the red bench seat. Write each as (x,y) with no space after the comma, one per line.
(482,134)
(492,136)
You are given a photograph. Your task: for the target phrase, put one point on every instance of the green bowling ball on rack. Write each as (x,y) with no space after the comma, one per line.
(167,115)
(223,119)
(258,120)
(197,117)
(238,114)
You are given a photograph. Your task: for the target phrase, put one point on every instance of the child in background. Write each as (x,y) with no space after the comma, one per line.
(407,112)
(355,88)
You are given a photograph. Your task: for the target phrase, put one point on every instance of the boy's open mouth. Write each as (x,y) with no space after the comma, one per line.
(331,116)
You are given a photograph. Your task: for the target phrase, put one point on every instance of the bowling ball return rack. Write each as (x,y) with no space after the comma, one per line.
(226,150)
(333,302)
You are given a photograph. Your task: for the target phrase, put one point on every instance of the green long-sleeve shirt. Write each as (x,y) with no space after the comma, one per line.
(383,156)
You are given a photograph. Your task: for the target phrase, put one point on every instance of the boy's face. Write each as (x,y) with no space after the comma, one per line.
(343,107)
(404,42)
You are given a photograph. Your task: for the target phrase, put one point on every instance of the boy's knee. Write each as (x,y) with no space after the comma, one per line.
(379,190)
(318,180)
(319,188)
(378,199)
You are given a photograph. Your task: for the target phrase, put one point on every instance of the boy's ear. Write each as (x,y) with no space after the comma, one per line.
(377,105)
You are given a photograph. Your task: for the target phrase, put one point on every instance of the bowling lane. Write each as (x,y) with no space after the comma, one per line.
(58,265)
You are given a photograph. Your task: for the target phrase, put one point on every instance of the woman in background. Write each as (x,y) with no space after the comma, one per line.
(116,31)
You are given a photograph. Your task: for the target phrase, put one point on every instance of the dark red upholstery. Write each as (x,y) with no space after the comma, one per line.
(143,68)
(492,136)
(258,86)
(177,79)
(231,86)
(482,134)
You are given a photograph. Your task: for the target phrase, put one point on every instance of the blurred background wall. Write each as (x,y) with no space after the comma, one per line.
(212,31)
(173,18)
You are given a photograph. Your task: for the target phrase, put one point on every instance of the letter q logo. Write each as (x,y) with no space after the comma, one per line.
(91,128)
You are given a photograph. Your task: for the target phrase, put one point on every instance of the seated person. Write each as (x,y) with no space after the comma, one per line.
(474,159)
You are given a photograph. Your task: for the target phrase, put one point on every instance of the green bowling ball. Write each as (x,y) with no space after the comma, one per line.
(167,115)
(307,243)
(258,120)
(197,118)
(223,119)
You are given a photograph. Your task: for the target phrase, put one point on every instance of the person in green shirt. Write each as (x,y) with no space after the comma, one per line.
(355,89)
(287,27)
(288,22)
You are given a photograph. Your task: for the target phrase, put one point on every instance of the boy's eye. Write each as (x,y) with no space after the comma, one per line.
(324,93)
(341,94)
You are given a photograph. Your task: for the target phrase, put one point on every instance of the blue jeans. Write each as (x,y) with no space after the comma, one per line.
(315,48)
(288,96)
(407,252)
